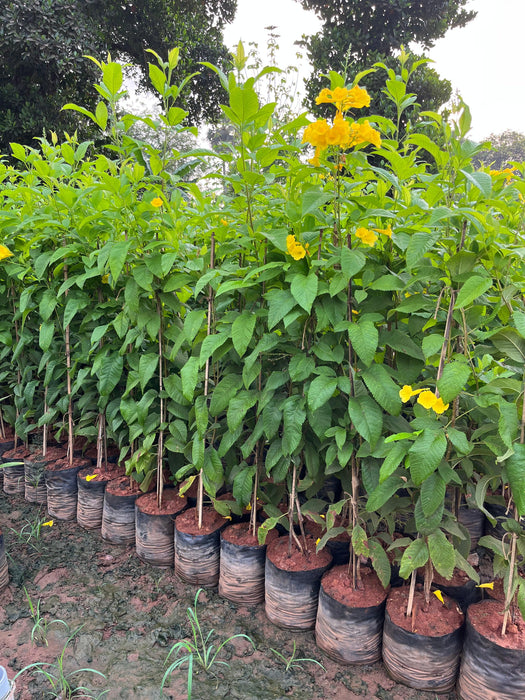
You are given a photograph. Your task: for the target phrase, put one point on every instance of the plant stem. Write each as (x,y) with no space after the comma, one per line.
(411,593)
(160,443)
(68,381)
(200,491)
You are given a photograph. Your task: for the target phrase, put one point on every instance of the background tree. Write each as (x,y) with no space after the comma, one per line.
(357,33)
(43,44)
(506,147)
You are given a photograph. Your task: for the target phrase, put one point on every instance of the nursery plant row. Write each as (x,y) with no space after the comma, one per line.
(336,340)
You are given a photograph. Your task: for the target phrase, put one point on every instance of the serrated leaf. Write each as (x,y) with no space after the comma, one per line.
(352,262)
(223,393)
(425,454)
(432,493)
(110,373)
(510,343)
(420,243)
(383,388)
(189,374)
(117,257)
(304,290)
(242,331)
(367,418)
(301,367)
(148,364)
(239,405)
(473,288)
(380,562)
(364,337)
(515,467)
(45,336)
(243,486)
(395,456)
(459,440)
(280,302)
(320,391)
(519,321)
(455,376)
(442,554)
(210,344)
(382,493)
(294,415)
(414,556)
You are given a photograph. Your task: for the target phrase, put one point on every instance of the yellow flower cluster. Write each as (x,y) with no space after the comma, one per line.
(343,98)
(321,134)
(509,172)
(5,252)
(296,249)
(425,397)
(156,202)
(369,236)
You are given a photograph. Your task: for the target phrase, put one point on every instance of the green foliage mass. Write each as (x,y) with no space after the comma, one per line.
(355,316)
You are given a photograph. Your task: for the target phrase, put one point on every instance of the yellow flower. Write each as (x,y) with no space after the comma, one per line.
(343,98)
(90,477)
(48,524)
(105,279)
(427,398)
(317,541)
(439,596)
(385,231)
(5,252)
(339,134)
(317,134)
(249,506)
(405,394)
(486,585)
(509,172)
(439,407)
(364,133)
(157,202)
(296,249)
(368,237)
(224,222)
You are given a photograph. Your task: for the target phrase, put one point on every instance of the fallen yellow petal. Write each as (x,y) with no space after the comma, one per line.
(486,585)
(90,477)
(439,596)
(48,524)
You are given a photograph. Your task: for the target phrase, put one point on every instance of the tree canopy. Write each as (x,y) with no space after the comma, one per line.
(507,147)
(44,43)
(361,32)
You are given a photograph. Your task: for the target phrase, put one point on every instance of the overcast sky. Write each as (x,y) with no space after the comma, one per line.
(484,60)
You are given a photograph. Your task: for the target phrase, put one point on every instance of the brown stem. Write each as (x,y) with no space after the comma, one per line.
(291,503)
(446,338)
(411,593)
(508,596)
(160,442)
(200,490)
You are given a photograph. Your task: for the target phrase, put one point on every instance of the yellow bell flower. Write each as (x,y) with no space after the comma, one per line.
(296,249)
(157,202)
(5,252)
(368,237)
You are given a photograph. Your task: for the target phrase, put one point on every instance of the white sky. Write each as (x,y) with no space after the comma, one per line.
(484,60)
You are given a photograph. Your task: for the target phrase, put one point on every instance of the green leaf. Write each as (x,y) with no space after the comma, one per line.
(382,493)
(380,562)
(455,376)
(320,391)
(414,556)
(481,180)
(510,343)
(210,344)
(367,418)
(272,416)
(364,338)
(395,456)
(301,367)
(420,243)
(508,422)
(425,454)
(459,440)
(383,388)
(110,374)
(432,344)
(239,406)
(243,486)
(294,415)
(45,336)
(148,364)
(312,200)
(280,302)
(352,261)
(519,321)
(242,331)
(224,392)
(189,375)
(117,257)
(201,415)
(304,290)
(432,493)
(442,554)
(473,288)
(515,467)
(359,541)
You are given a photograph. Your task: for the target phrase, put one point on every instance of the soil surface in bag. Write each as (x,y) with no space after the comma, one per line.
(434,620)
(121,487)
(278,554)
(17,454)
(60,465)
(101,475)
(172,503)
(241,535)
(188,523)
(133,613)
(337,583)
(487,618)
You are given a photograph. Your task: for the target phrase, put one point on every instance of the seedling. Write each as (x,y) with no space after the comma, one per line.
(293,661)
(40,623)
(198,649)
